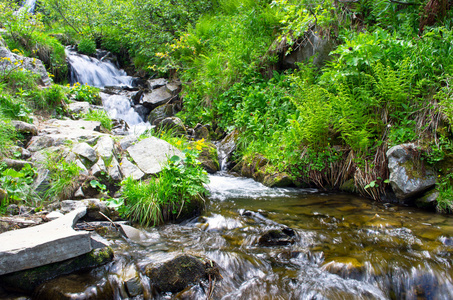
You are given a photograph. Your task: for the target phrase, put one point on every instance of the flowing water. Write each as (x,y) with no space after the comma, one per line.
(345,247)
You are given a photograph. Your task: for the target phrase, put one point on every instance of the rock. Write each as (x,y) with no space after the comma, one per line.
(155,98)
(93,206)
(32,64)
(409,175)
(429,200)
(14,223)
(174,87)
(156,83)
(40,245)
(16,164)
(349,186)
(79,108)
(53,215)
(133,234)
(226,148)
(129,169)
(160,113)
(128,141)
(28,280)
(346,267)
(83,170)
(277,180)
(86,151)
(132,282)
(177,274)
(209,159)
(277,237)
(173,123)
(57,132)
(151,153)
(201,132)
(25,128)
(41,181)
(105,148)
(113,170)
(99,168)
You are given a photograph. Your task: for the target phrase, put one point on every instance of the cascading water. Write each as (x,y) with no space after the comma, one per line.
(94,72)
(29,5)
(91,71)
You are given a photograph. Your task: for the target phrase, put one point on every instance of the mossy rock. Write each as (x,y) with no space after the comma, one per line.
(349,186)
(28,280)
(346,267)
(209,158)
(277,180)
(179,273)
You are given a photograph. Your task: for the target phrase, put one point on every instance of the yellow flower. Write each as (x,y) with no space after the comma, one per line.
(178,143)
(198,147)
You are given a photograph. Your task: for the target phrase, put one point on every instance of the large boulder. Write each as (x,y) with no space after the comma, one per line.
(156,98)
(409,175)
(151,154)
(13,61)
(44,244)
(28,280)
(179,273)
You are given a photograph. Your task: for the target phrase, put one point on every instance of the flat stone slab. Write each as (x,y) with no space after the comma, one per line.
(151,154)
(156,98)
(43,244)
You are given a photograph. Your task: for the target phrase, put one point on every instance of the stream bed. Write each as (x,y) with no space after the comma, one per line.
(343,247)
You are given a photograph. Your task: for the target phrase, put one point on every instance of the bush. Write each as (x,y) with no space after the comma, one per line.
(7,136)
(100,116)
(161,199)
(85,93)
(86,46)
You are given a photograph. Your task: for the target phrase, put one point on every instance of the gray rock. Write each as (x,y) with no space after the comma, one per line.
(25,128)
(99,168)
(174,87)
(41,181)
(79,107)
(428,200)
(114,170)
(105,147)
(83,169)
(32,64)
(43,244)
(156,98)
(15,163)
(160,113)
(128,141)
(86,151)
(277,237)
(151,154)
(409,175)
(177,274)
(54,215)
(156,83)
(142,111)
(174,124)
(129,169)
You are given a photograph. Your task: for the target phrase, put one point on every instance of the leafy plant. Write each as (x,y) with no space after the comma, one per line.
(87,46)
(63,179)
(85,93)
(17,185)
(101,116)
(445,188)
(180,182)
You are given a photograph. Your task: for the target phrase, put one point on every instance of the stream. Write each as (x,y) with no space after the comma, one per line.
(345,247)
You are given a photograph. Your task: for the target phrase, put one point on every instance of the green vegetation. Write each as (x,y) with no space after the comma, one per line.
(101,116)
(178,185)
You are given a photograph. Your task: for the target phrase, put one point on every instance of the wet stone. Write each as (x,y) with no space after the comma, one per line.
(277,237)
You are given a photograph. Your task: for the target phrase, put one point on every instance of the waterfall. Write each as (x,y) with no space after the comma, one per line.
(29,5)
(89,70)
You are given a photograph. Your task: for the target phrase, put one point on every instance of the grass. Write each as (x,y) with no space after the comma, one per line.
(100,116)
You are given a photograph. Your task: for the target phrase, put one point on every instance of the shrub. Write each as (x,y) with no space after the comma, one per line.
(7,136)
(85,93)
(17,185)
(162,198)
(86,46)
(100,116)
(63,178)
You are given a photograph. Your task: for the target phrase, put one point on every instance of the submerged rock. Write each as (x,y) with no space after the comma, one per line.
(277,237)
(409,175)
(346,267)
(179,273)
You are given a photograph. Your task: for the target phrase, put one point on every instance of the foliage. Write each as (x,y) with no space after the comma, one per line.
(180,182)
(7,136)
(17,185)
(445,188)
(84,92)
(63,178)
(86,46)
(101,116)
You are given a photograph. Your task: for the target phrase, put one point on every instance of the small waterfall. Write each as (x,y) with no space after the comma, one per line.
(92,71)
(29,5)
